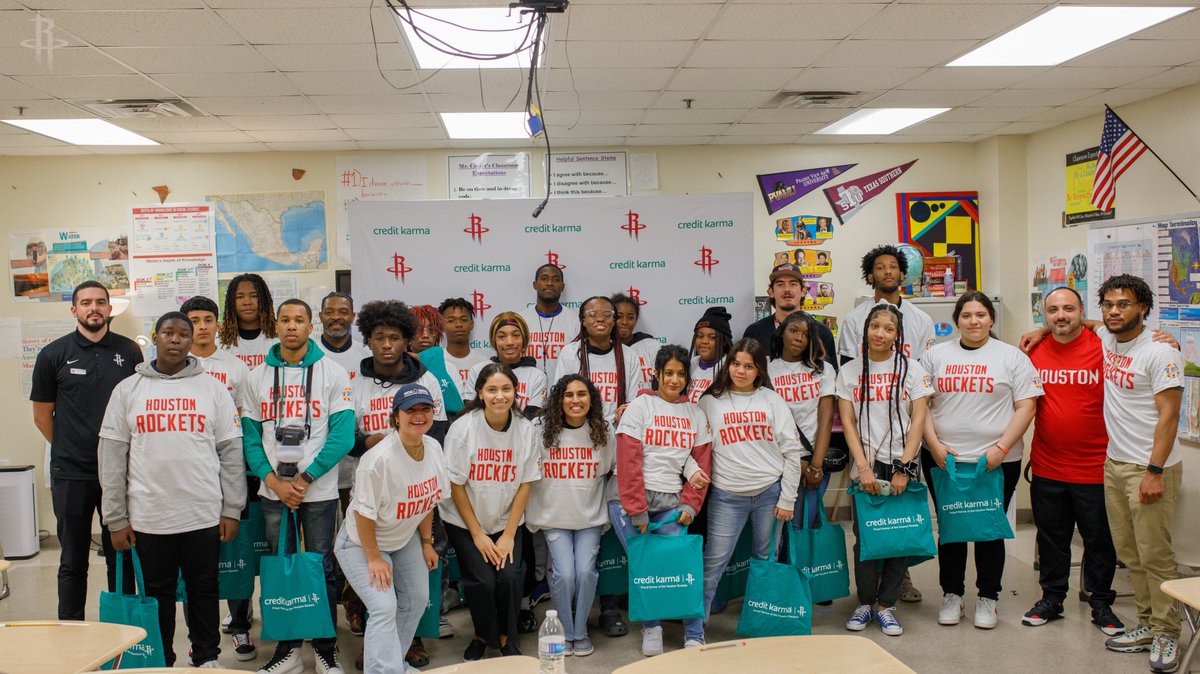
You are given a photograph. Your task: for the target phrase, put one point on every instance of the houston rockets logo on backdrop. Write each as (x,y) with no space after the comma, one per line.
(635,295)
(706,261)
(476,228)
(633,225)
(399,268)
(479,303)
(552,258)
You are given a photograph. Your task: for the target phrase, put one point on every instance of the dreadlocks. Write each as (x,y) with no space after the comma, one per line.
(553,418)
(431,320)
(266,309)
(895,397)
(618,355)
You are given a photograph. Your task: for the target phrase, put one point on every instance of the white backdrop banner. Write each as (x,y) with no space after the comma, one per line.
(677,255)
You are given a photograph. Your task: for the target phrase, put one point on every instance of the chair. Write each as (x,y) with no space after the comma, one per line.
(1186,591)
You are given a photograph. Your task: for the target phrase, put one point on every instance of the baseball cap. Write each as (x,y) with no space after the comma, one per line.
(786,269)
(410,395)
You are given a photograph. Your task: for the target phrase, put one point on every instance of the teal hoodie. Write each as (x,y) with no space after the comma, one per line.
(338,441)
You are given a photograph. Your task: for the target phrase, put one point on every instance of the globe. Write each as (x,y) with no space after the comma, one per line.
(916,263)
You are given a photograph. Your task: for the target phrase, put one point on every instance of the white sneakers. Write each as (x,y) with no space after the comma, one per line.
(652,641)
(952,609)
(985,613)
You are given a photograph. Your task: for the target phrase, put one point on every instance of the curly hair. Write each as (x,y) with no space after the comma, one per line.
(429,317)
(868,261)
(386,314)
(554,419)
(266,309)
(456,303)
(1137,287)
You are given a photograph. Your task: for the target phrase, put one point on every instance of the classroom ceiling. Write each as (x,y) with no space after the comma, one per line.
(299,75)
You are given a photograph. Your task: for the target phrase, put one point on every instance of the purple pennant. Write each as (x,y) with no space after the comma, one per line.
(781,189)
(848,198)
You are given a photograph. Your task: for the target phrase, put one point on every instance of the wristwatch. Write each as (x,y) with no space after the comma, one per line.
(308,479)
(1154,469)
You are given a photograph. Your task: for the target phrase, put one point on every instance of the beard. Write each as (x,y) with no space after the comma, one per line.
(90,327)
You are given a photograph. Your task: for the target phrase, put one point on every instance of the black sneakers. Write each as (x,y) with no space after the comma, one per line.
(1042,612)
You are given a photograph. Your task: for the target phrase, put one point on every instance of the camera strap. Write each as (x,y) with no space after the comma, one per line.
(278,395)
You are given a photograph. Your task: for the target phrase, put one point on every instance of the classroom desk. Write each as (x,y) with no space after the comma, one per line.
(820,653)
(36,647)
(1186,591)
(517,664)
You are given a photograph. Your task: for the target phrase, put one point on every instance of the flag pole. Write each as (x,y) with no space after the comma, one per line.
(1160,159)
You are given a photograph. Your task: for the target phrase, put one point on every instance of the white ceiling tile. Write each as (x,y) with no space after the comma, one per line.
(304,57)
(694,116)
(325,146)
(1183,27)
(841,140)
(106,86)
(368,105)
(65,150)
(789,116)
(1018,98)
(927,98)
(10,88)
(228,84)
(147,28)
(303,25)
(17,27)
(991,114)
(401,144)
(255,105)
(489,81)
(386,121)
(754,140)
(609,79)
(936,128)
(568,100)
(65,61)
(578,54)
(27,139)
(1063,113)
(853,79)
(406,133)
(779,130)
(670,130)
(351,83)
(728,100)
(201,59)
(172,137)
(599,116)
(895,53)
(944,138)
(1115,97)
(1089,78)
(930,22)
(47,108)
(510,144)
(114,4)
(669,140)
(277,122)
(299,135)
(601,143)
(1174,78)
(640,22)
(1141,53)
(1022,128)
(173,124)
(731,79)
(590,131)
(289,4)
(205,148)
(972,78)
(490,102)
(758,53)
(814,21)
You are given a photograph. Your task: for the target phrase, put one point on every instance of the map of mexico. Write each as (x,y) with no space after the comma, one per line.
(270,231)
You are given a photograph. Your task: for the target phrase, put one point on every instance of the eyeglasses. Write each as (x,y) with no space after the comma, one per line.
(1123,305)
(598,314)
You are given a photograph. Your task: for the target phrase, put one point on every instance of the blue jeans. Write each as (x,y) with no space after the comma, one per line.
(316,528)
(392,614)
(727,515)
(573,576)
(693,628)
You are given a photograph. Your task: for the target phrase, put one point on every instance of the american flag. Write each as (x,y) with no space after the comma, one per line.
(1119,148)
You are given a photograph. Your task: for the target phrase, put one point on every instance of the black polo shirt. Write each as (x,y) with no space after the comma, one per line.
(78,376)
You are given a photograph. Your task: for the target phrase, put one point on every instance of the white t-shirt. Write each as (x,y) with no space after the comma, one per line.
(974,392)
(330,394)
(549,335)
(459,369)
(646,350)
(531,385)
(492,465)
(883,434)
(754,443)
(350,359)
(1134,372)
(397,491)
(173,427)
(918,330)
(227,369)
(372,409)
(700,378)
(252,352)
(802,388)
(668,432)
(602,370)
(570,494)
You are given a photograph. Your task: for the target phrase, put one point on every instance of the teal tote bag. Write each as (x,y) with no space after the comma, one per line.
(293,600)
(970,503)
(894,526)
(431,618)
(237,563)
(778,599)
(137,610)
(666,575)
(733,579)
(820,553)
(613,565)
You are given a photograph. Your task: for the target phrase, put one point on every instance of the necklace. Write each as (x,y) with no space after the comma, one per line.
(1117,346)
(545,330)
(417,454)
(734,395)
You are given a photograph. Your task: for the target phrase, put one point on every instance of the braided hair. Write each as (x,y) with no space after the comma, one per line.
(618,354)
(553,418)
(899,374)
(266,309)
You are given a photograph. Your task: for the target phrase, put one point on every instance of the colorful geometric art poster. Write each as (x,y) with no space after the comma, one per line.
(942,224)
(804,230)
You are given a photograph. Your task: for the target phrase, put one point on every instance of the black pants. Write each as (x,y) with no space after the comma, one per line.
(989,555)
(195,554)
(75,505)
(877,580)
(493,595)
(239,609)
(1058,507)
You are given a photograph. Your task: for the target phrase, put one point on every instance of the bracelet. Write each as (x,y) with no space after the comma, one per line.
(370,549)
(815,469)
(426,541)
(1002,448)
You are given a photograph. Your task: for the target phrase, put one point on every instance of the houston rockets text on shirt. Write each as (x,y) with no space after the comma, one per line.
(746,426)
(966,378)
(879,387)
(1116,369)
(1069,377)
(493,465)
(420,499)
(571,463)
(606,384)
(170,415)
(291,403)
(545,344)
(252,360)
(376,418)
(667,430)
(796,387)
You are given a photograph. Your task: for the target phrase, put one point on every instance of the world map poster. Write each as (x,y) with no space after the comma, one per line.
(270,231)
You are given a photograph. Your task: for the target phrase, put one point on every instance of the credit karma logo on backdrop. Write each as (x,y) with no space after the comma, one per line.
(479,303)
(552,258)
(633,225)
(706,261)
(476,228)
(399,268)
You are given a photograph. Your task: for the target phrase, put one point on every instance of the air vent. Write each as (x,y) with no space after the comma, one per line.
(135,108)
(800,100)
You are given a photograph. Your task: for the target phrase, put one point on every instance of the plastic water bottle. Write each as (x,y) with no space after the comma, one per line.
(552,644)
(948,281)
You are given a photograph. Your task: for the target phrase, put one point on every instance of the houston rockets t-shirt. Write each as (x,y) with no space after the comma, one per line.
(882,432)
(602,371)
(700,378)
(802,388)
(252,352)
(754,443)
(1070,440)
(531,385)
(918,330)
(228,369)
(459,369)
(668,432)
(1134,372)
(548,335)
(372,409)
(492,465)
(570,494)
(397,491)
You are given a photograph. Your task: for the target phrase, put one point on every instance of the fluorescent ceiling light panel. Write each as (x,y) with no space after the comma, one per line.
(81,131)
(479,125)
(879,121)
(1065,32)
(498,30)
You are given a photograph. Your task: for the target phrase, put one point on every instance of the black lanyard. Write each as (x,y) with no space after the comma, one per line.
(277,397)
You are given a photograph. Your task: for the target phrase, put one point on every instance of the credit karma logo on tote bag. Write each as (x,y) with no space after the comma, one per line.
(292,603)
(653,582)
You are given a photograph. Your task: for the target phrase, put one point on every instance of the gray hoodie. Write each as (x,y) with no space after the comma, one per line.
(170,452)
